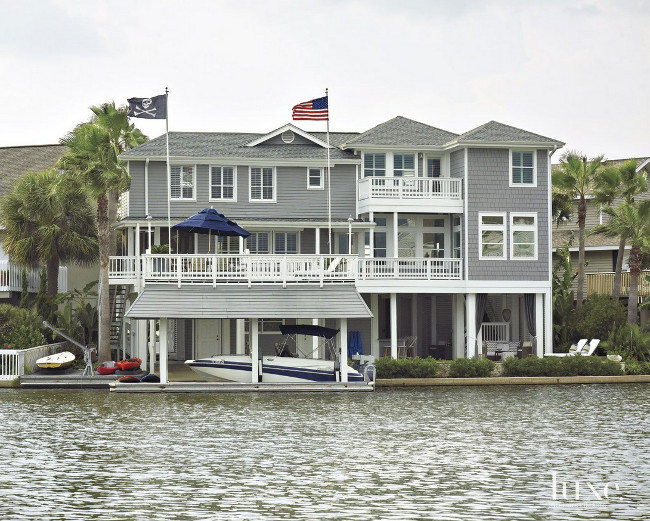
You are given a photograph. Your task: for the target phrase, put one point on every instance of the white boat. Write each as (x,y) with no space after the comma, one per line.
(56,361)
(285,367)
(277,369)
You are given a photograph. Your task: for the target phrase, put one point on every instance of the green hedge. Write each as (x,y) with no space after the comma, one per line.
(406,368)
(561,366)
(471,368)
(634,367)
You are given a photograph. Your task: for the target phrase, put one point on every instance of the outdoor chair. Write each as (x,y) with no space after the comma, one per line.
(573,350)
(589,349)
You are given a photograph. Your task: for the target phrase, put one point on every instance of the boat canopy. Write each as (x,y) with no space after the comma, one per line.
(306,329)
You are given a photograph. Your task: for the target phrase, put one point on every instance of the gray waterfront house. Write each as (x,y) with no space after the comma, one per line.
(440,243)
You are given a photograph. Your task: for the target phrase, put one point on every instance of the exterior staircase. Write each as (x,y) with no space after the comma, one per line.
(117,298)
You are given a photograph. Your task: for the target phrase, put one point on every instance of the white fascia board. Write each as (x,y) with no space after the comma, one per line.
(452,286)
(263,225)
(505,144)
(294,129)
(247,161)
(356,147)
(595,248)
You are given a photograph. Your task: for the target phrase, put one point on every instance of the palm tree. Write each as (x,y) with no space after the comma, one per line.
(631,221)
(48,219)
(93,151)
(575,178)
(622,182)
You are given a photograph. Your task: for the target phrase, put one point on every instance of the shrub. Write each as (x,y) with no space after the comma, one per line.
(633,367)
(561,366)
(629,341)
(471,368)
(406,368)
(19,328)
(598,316)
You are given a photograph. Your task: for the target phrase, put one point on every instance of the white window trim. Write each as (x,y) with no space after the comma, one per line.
(322,184)
(250,185)
(502,228)
(388,166)
(523,228)
(523,185)
(415,164)
(233,199)
(181,198)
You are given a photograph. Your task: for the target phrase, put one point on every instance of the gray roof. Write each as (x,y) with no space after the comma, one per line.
(240,301)
(17,161)
(401,131)
(221,144)
(495,132)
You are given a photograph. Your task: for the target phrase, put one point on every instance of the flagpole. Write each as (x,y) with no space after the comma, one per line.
(329,193)
(169,189)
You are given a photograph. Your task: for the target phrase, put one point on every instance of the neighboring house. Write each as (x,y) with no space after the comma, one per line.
(14,163)
(601,252)
(449,233)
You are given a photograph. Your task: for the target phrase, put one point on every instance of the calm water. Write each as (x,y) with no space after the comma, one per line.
(434,453)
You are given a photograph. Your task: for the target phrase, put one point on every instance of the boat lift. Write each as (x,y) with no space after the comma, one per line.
(88,351)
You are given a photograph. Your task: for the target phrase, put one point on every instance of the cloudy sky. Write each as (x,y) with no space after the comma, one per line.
(577,71)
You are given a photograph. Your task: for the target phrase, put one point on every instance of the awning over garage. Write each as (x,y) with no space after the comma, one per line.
(240,301)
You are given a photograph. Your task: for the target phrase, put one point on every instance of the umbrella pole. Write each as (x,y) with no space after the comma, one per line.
(209,240)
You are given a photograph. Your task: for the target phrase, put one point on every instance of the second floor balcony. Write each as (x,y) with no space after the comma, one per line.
(417,194)
(11,278)
(280,269)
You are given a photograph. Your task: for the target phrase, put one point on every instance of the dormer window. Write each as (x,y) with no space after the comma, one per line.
(404,165)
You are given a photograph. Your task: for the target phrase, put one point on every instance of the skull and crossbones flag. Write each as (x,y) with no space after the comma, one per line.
(149,108)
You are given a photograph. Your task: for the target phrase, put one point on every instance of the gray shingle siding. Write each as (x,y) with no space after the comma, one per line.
(489,191)
(293,200)
(457,163)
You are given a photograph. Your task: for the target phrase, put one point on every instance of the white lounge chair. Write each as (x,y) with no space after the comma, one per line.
(589,350)
(573,350)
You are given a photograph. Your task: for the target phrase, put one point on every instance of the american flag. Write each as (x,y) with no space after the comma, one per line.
(315,110)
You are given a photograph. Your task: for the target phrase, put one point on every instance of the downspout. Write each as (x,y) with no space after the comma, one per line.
(146,186)
(548,327)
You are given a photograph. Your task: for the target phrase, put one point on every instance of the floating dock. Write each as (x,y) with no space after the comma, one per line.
(237,387)
(70,379)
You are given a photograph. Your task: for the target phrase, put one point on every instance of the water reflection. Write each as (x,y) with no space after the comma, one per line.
(432,453)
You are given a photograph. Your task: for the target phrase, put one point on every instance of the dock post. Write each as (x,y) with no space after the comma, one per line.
(164,322)
(344,350)
(254,351)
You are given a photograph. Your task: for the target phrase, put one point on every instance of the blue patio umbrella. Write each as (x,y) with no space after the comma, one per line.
(210,222)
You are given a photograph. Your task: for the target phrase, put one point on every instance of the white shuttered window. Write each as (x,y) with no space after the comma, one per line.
(182,182)
(262,183)
(523,168)
(222,183)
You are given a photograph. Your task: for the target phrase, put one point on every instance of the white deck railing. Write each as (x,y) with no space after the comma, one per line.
(410,268)
(495,332)
(14,361)
(410,188)
(278,268)
(11,278)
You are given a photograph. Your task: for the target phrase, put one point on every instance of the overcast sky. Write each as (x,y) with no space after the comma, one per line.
(577,71)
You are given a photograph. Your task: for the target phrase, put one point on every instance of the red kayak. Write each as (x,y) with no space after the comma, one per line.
(102,369)
(129,364)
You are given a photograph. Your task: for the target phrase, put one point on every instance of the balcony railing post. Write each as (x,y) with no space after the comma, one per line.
(179,269)
(214,271)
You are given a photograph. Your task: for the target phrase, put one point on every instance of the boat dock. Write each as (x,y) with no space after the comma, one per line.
(238,387)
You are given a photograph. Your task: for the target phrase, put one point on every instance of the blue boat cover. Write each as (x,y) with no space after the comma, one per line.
(306,329)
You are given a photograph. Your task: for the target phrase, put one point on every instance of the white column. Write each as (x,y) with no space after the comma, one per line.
(254,350)
(548,323)
(142,341)
(152,346)
(459,327)
(156,235)
(314,340)
(344,350)
(371,217)
(539,323)
(470,305)
(393,325)
(374,325)
(241,245)
(240,339)
(317,232)
(130,242)
(395,241)
(164,324)
(514,318)
(225,336)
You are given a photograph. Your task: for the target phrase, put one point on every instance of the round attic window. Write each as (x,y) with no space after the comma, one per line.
(288,136)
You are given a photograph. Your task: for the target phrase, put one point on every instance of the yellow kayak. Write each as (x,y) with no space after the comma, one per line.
(56,361)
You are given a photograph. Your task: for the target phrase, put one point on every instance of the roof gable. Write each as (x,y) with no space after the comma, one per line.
(400,132)
(288,127)
(495,132)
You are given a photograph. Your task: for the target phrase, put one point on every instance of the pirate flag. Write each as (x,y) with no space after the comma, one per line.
(149,108)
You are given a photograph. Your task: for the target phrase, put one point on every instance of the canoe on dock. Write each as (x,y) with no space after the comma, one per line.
(56,361)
